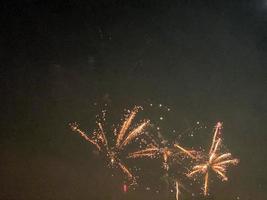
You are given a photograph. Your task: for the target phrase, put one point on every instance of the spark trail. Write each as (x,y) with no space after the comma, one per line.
(177,190)
(153,151)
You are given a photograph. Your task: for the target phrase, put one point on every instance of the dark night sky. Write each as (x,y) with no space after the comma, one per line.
(206,59)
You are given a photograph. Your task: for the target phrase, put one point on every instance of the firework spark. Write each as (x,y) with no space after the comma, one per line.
(189,153)
(124,137)
(148,152)
(75,128)
(154,151)
(177,190)
(216,161)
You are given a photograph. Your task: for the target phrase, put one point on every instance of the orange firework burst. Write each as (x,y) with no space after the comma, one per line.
(216,161)
(123,137)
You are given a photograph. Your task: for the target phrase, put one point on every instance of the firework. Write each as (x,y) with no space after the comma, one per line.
(123,137)
(216,161)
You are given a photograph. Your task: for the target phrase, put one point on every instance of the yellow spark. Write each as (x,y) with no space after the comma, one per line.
(206,183)
(187,152)
(149,152)
(166,154)
(223,156)
(125,170)
(233,161)
(135,133)
(76,129)
(126,125)
(103,135)
(177,190)
(218,128)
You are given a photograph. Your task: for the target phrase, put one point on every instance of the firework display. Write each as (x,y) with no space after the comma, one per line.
(215,161)
(116,152)
(123,137)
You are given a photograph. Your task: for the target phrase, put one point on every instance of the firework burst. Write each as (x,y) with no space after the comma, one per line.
(216,161)
(127,133)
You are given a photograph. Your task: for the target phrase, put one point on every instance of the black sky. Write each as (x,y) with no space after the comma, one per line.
(206,59)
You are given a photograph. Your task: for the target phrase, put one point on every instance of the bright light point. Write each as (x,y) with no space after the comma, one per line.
(161,118)
(151,104)
(125,188)
(197,122)
(219,125)
(169,109)
(160,105)
(158,128)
